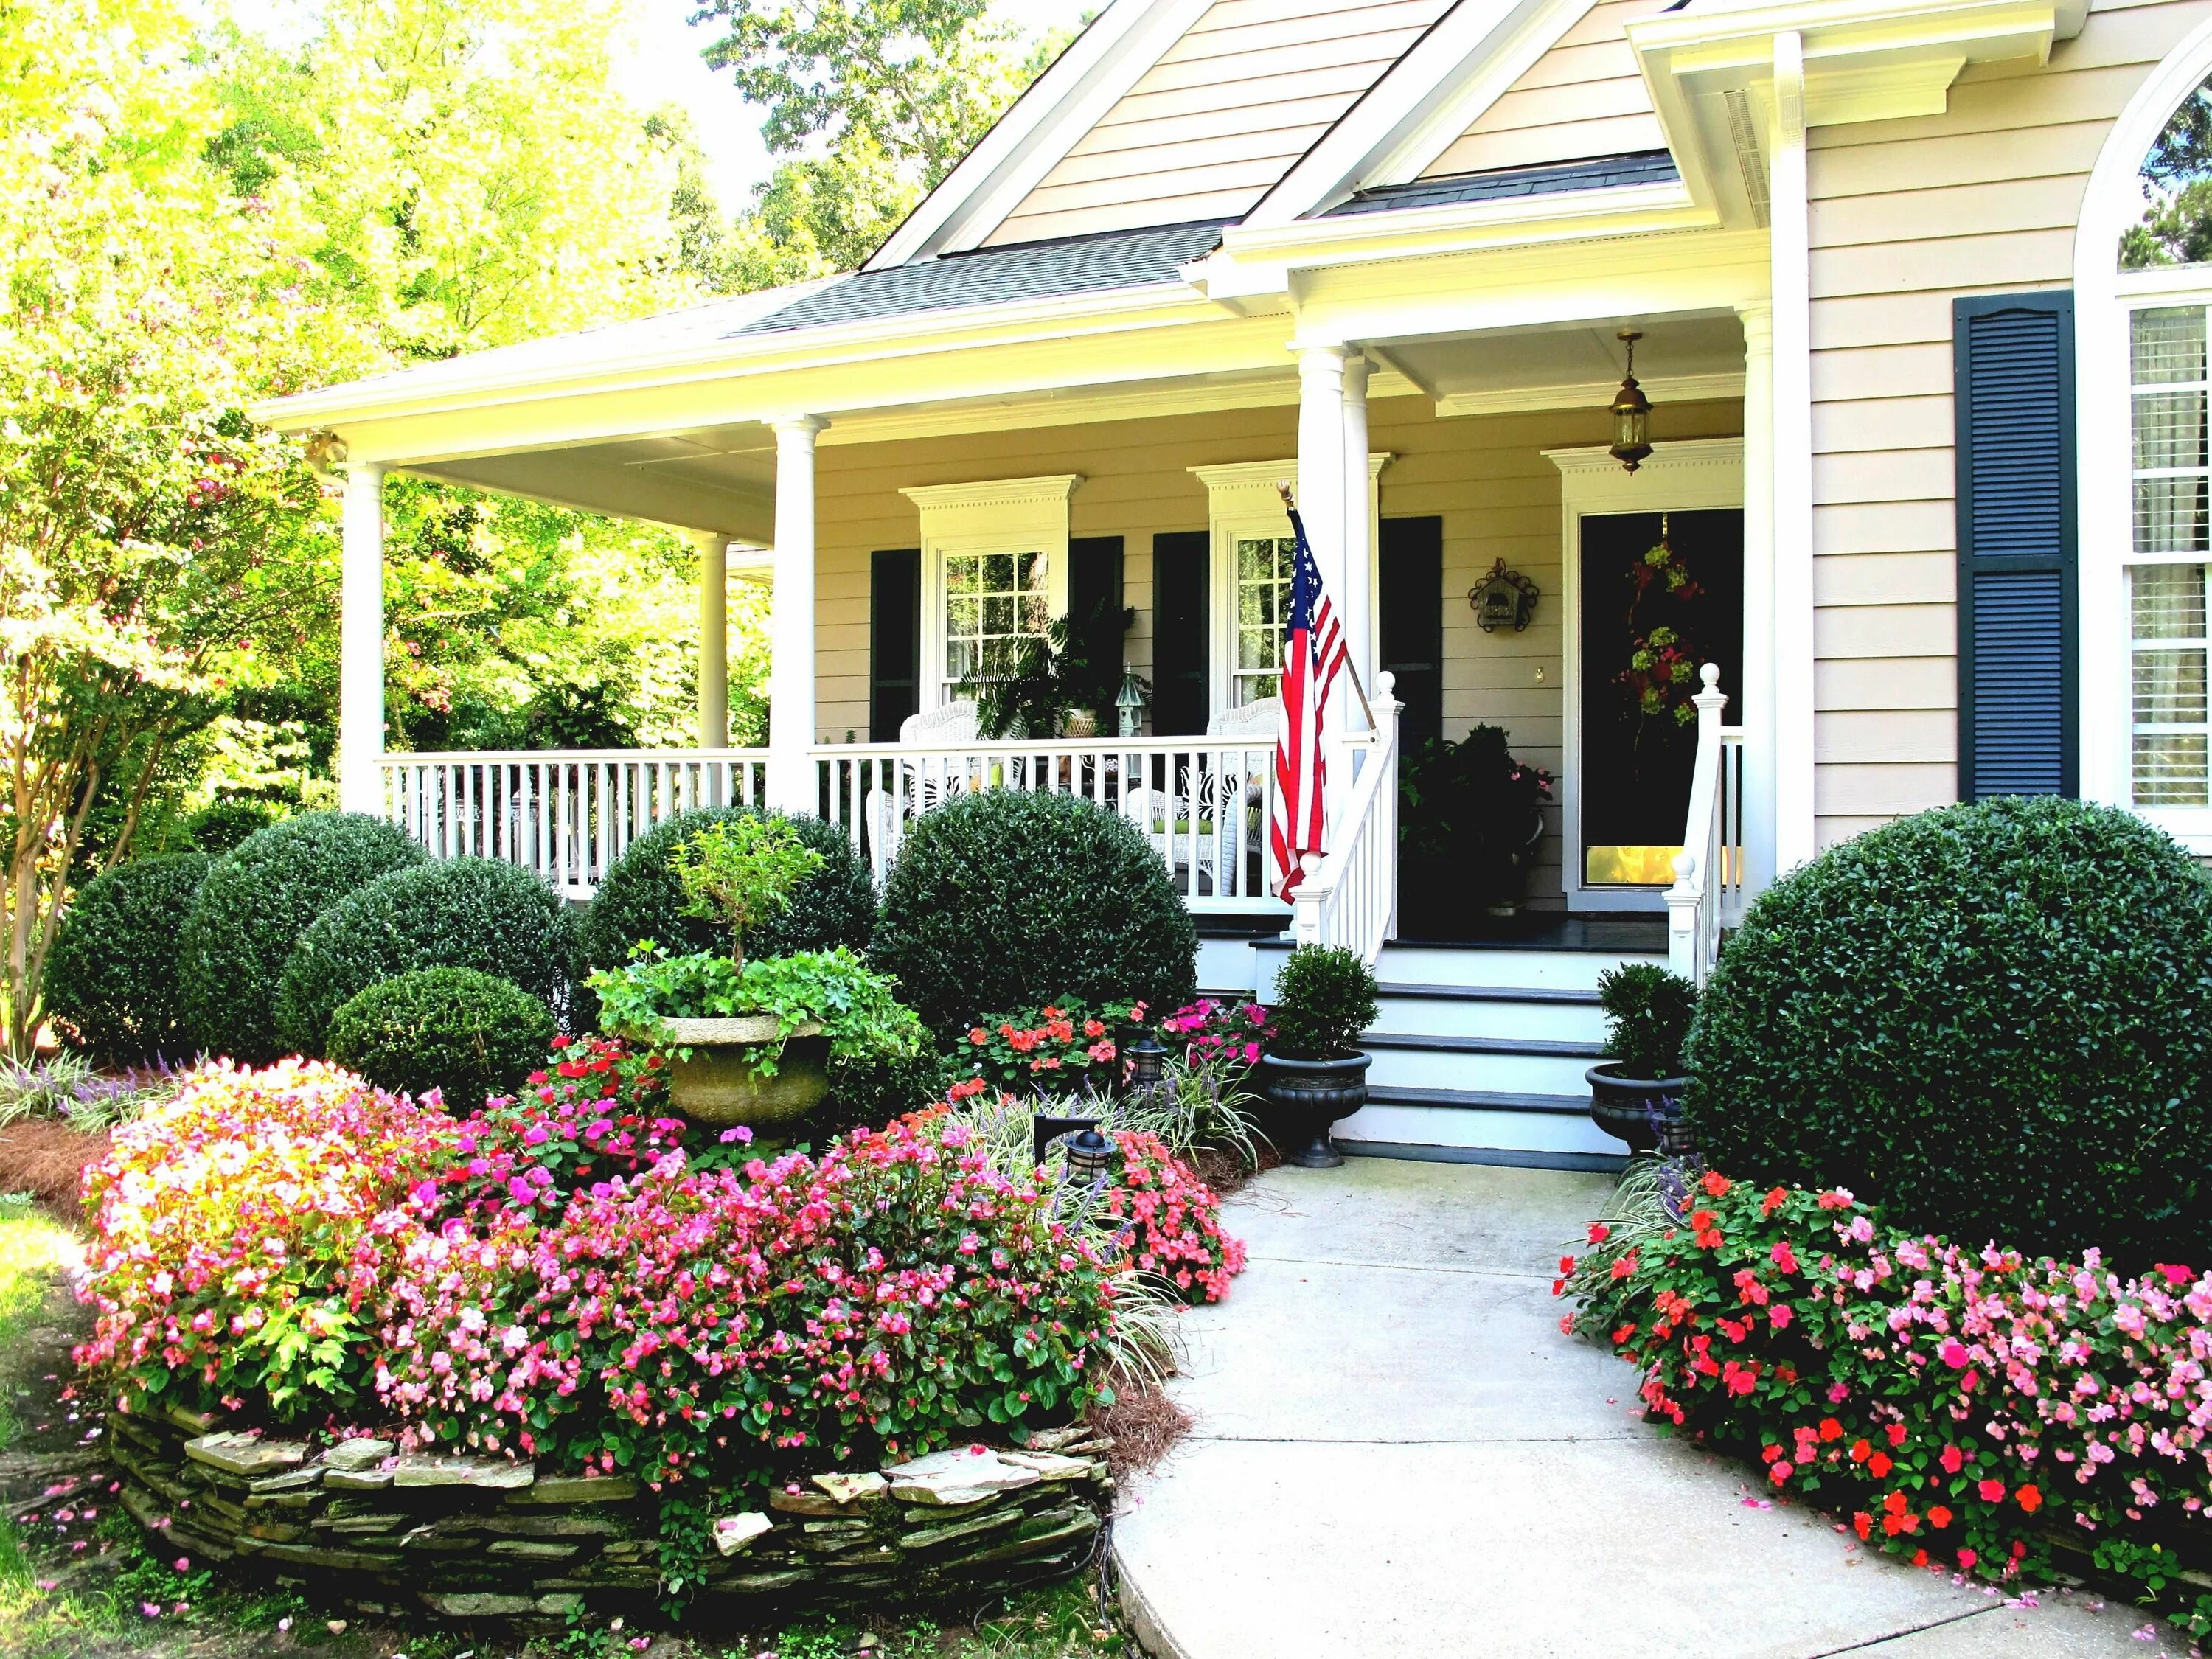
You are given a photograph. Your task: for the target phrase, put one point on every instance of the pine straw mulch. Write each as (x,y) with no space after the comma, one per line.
(1143,1422)
(47,1158)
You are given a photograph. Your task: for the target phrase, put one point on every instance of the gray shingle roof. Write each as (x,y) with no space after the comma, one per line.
(1023,271)
(1644,167)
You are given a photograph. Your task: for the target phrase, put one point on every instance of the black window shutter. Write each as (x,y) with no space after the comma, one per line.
(2014,377)
(894,641)
(1094,572)
(1410,597)
(1181,574)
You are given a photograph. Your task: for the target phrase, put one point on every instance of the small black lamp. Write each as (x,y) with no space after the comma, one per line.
(1090,1154)
(1631,412)
(1148,1060)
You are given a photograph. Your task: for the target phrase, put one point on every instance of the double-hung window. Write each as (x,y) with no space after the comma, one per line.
(2170,761)
(994,574)
(1263,600)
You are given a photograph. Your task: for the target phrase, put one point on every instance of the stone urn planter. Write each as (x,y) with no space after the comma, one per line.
(1645,1112)
(721,1085)
(1308,1097)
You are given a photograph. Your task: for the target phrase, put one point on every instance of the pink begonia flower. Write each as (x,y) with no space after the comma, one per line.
(1953,1352)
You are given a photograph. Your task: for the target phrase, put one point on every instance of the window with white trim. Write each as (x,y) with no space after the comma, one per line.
(994,573)
(1263,598)
(2169,755)
(993,602)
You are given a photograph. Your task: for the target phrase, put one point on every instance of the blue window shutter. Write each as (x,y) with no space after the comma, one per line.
(2014,377)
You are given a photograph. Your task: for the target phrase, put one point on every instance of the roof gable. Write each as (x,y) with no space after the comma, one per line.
(1585,96)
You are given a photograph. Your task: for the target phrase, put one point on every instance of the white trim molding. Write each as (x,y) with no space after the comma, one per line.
(1594,394)
(1698,473)
(993,516)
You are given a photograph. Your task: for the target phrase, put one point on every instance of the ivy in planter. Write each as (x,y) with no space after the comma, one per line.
(855,1008)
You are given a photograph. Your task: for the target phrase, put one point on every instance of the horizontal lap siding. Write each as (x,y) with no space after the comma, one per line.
(1905,215)
(1221,117)
(1583,97)
(1486,476)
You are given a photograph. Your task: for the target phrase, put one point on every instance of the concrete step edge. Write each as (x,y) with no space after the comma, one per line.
(1416,992)
(1480,1100)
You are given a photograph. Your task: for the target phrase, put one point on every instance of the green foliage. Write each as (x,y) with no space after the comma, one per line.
(483,914)
(251,909)
(1647,1011)
(868,1091)
(858,1011)
(464,1033)
(640,898)
(218,827)
(1990,1019)
(2177,227)
(1076,664)
(1006,899)
(1325,997)
(741,871)
(111,978)
(1468,808)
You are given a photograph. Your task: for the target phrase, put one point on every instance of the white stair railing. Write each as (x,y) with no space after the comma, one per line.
(1349,893)
(1708,894)
(566,815)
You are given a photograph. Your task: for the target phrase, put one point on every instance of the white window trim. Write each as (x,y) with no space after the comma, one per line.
(1697,474)
(999,515)
(1240,501)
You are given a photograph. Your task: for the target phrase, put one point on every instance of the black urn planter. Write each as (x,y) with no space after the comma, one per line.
(1643,1111)
(1308,1096)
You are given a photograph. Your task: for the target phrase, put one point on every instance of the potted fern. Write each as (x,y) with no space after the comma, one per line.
(1325,997)
(749,1042)
(1635,1095)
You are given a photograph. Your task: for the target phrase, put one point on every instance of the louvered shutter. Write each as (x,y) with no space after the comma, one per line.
(894,641)
(2014,376)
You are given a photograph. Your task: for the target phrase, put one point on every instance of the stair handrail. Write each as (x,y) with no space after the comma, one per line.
(1350,893)
(1693,902)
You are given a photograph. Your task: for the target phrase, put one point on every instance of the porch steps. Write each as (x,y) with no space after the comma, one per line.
(1479,1051)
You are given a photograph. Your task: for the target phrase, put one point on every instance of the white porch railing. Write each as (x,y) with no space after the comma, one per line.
(1201,802)
(1708,894)
(1349,893)
(564,814)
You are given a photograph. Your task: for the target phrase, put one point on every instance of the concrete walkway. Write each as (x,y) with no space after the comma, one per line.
(1396,1452)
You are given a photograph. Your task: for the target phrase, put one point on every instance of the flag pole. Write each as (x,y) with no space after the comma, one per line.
(1291,506)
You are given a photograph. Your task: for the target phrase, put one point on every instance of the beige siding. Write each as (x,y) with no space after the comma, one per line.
(1486,476)
(1583,97)
(1221,117)
(1905,215)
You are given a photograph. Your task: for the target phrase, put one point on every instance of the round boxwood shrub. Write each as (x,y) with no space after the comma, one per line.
(1994,1020)
(111,975)
(458,913)
(252,908)
(221,825)
(464,1033)
(640,898)
(1005,899)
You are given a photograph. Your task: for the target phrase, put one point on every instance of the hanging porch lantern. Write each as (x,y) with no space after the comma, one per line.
(1632,412)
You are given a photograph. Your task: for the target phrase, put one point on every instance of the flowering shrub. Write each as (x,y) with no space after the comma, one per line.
(1173,1219)
(240,1226)
(1230,1032)
(875,1301)
(1966,1409)
(1058,1046)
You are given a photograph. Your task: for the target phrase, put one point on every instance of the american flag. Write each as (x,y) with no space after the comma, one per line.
(1313,655)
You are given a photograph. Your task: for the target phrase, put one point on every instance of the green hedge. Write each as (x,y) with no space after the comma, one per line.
(457,913)
(256,903)
(639,899)
(1005,899)
(464,1033)
(1994,1020)
(111,980)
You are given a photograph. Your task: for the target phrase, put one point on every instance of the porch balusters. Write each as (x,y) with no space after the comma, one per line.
(1708,894)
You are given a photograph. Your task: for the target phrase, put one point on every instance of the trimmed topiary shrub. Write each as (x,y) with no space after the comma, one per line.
(221,826)
(457,913)
(464,1033)
(1995,1021)
(641,899)
(111,975)
(1325,997)
(1005,899)
(251,909)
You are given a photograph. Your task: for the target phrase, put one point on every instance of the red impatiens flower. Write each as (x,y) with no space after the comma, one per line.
(1953,1459)
(1938,1515)
(1992,1491)
(2030,1499)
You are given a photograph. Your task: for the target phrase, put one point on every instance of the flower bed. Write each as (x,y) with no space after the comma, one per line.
(1967,1410)
(1059,1047)
(1174,1219)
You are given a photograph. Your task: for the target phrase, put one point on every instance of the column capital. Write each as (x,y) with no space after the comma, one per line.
(1357,368)
(798,426)
(1322,358)
(1757,317)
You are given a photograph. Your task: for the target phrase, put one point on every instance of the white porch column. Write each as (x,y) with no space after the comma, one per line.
(791,784)
(1789,240)
(1321,460)
(360,643)
(1754,703)
(1359,601)
(714,639)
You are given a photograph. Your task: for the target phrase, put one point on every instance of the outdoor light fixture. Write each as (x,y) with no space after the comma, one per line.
(1632,412)
(1090,1154)
(1148,1059)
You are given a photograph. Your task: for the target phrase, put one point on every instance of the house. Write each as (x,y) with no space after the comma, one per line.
(1390,251)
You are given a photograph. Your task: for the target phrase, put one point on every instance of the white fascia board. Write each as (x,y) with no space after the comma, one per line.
(1046,121)
(1252,257)
(1468,60)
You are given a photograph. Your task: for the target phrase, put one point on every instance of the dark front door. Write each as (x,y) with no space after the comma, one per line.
(1410,610)
(1661,594)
